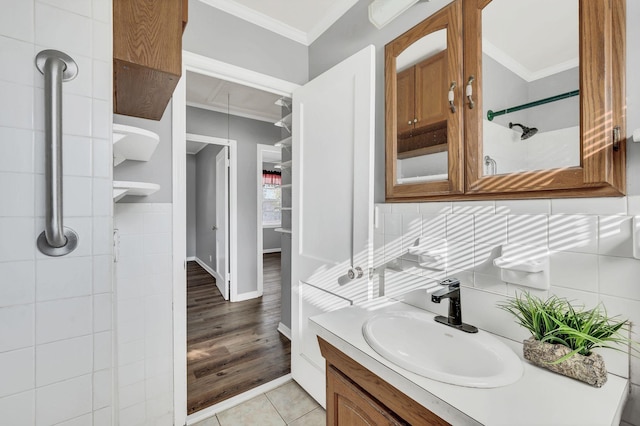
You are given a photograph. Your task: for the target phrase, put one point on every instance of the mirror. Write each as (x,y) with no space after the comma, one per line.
(530,86)
(422,88)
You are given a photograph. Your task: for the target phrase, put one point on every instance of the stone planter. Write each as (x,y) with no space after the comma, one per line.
(589,369)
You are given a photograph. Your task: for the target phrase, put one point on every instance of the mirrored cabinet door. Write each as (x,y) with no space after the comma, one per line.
(548,88)
(423,68)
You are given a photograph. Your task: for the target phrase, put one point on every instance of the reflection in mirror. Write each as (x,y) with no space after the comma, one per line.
(422,99)
(530,88)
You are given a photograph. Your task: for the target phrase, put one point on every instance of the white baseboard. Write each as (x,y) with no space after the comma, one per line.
(208,268)
(191,258)
(239,399)
(271,250)
(284,330)
(246,296)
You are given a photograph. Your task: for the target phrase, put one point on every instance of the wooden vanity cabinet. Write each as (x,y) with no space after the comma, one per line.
(356,396)
(147,55)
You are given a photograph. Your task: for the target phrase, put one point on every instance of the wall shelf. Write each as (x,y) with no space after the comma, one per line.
(285,208)
(124,188)
(283,231)
(286,142)
(133,143)
(285,122)
(286,186)
(284,102)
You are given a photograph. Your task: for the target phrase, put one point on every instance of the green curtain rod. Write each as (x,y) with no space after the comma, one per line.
(491,115)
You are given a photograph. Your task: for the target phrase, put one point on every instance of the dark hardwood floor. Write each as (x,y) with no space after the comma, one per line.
(232,347)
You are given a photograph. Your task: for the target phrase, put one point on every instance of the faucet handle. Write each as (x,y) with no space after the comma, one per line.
(450,282)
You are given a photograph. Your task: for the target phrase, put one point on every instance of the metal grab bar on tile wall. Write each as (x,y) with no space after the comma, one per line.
(56,239)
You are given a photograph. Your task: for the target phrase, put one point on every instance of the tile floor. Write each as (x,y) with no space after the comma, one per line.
(288,404)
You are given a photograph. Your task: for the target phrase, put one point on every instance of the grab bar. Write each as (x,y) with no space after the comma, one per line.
(56,239)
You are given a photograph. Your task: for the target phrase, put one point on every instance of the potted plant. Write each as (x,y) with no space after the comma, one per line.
(563,337)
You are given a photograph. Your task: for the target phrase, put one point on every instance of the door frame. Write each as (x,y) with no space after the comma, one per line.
(260,251)
(213,68)
(224,157)
(232,224)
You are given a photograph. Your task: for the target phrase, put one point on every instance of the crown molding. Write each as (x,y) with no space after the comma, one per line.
(259,19)
(331,17)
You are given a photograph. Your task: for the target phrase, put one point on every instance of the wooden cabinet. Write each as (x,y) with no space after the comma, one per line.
(356,396)
(466,100)
(147,55)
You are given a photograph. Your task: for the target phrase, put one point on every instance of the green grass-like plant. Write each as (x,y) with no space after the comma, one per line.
(557,321)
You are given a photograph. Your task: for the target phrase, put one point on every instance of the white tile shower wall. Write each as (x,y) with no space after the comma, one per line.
(55,313)
(591,260)
(144,305)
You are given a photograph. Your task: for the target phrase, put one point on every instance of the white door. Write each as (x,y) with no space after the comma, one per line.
(222,221)
(333,153)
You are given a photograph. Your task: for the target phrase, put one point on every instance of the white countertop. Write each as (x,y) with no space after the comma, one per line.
(539,398)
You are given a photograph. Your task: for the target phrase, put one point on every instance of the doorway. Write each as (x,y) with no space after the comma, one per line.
(208,67)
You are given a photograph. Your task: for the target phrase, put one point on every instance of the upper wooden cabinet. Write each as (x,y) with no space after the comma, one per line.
(147,55)
(535,113)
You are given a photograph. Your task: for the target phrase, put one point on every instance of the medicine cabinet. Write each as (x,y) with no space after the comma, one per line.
(491,99)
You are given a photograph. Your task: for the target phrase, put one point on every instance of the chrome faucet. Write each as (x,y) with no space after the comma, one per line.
(452,292)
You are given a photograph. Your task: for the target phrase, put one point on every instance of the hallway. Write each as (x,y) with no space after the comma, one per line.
(232,347)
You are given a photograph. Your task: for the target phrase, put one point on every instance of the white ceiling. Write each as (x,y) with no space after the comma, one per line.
(533,38)
(300,20)
(212,94)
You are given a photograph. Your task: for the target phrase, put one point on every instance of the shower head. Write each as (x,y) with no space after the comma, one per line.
(527,132)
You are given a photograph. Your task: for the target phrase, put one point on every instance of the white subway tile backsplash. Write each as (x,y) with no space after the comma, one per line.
(16,150)
(460,228)
(102,350)
(64,277)
(77,156)
(101,11)
(102,197)
(528,230)
(16,327)
(490,229)
(17,113)
(576,233)
(597,206)
(157,264)
(102,309)
(134,414)
(616,236)
(102,235)
(474,207)
(18,283)
(578,298)
(102,274)
(489,283)
(81,7)
(130,373)
(484,254)
(101,123)
(77,196)
(63,319)
(484,313)
(19,409)
(405,208)
(392,224)
(392,247)
(513,207)
(16,61)
(630,310)
(78,421)
(102,389)
(76,119)
(619,277)
(441,207)
(102,41)
(156,386)
(131,394)
(434,226)
(63,401)
(63,360)
(81,85)
(102,417)
(19,23)
(574,270)
(101,157)
(411,230)
(16,370)
(18,241)
(632,410)
(633,205)
(16,193)
(459,257)
(131,352)
(72,37)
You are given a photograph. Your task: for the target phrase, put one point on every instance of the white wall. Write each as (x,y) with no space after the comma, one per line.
(144,305)
(55,313)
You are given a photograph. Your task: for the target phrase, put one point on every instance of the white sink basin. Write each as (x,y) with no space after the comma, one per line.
(415,342)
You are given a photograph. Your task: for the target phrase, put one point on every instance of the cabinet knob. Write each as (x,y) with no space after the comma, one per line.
(410,123)
(415,120)
(452,96)
(469,92)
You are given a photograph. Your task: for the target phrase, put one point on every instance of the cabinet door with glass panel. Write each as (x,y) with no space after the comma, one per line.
(423,69)
(545,111)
